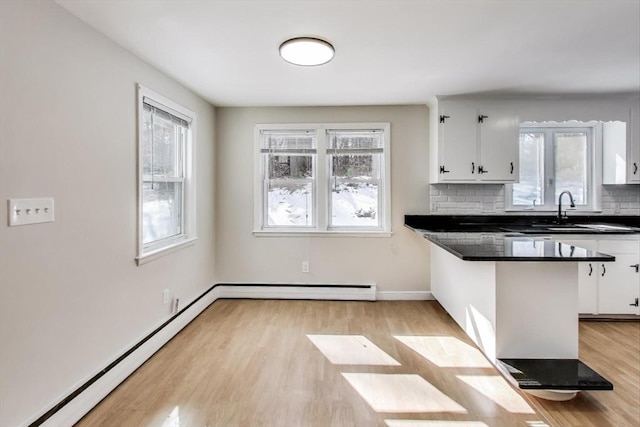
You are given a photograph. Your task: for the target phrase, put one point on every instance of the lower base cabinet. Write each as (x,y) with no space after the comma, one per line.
(608,287)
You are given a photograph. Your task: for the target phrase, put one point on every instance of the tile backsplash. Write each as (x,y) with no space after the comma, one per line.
(487,199)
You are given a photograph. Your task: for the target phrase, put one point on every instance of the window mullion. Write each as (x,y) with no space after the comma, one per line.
(549,169)
(322,208)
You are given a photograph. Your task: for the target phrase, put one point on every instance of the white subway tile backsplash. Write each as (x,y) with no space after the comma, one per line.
(478,199)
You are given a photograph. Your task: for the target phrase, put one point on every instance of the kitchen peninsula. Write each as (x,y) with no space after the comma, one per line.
(515,295)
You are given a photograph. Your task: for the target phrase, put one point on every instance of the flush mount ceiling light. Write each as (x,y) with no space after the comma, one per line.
(306,51)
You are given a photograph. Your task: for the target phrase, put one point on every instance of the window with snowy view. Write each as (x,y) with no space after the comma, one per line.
(321,178)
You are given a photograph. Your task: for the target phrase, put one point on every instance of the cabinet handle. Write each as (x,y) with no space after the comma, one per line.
(481,118)
(590,269)
(443,118)
(604,270)
(473,167)
(481,170)
(443,170)
(635,168)
(511,168)
(635,304)
(636,266)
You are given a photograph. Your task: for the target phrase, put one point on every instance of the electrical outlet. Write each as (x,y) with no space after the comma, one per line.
(165,296)
(30,211)
(305,266)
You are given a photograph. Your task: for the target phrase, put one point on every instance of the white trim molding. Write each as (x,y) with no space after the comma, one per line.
(404,296)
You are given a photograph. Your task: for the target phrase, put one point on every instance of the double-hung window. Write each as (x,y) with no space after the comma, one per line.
(322,178)
(166,180)
(555,158)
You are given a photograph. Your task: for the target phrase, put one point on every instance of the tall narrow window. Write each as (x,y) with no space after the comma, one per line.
(289,163)
(355,161)
(323,178)
(166,176)
(554,159)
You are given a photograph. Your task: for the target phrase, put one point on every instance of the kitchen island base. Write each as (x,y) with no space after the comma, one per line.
(513,310)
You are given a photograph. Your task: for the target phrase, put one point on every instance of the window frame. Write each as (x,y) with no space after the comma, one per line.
(322,199)
(152,250)
(594,170)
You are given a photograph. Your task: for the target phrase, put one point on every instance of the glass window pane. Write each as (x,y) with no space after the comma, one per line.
(571,165)
(161,210)
(290,140)
(355,140)
(359,166)
(162,147)
(354,204)
(290,204)
(530,188)
(290,166)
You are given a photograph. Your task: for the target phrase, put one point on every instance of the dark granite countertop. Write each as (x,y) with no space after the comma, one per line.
(487,238)
(553,374)
(528,224)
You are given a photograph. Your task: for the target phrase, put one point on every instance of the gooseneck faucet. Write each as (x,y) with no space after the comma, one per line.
(572,204)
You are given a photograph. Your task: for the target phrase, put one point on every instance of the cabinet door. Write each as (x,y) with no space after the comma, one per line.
(618,286)
(499,143)
(587,274)
(633,170)
(588,287)
(457,142)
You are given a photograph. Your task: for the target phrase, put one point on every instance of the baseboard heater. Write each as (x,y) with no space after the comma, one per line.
(343,292)
(80,401)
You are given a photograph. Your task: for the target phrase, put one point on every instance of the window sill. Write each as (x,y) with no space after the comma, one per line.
(280,233)
(153,255)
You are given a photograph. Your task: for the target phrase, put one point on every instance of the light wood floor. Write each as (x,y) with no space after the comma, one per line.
(323,363)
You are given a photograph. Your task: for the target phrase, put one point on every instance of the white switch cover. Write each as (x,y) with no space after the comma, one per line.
(30,211)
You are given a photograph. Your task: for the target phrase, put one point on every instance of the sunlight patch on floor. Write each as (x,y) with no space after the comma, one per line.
(404,393)
(351,350)
(173,420)
(498,390)
(446,352)
(433,423)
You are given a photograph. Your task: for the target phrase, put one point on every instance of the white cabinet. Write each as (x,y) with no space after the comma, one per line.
(608,287)
(633,168)
(621,150)
(618,282)
(474,142)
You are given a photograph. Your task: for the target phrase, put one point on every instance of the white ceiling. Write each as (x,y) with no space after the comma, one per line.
(387,52)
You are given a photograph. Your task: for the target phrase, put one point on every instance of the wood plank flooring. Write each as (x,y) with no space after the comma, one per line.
(330,363)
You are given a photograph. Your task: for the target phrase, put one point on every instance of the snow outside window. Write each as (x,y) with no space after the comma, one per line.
(166,188)
(326,178)
(554,159)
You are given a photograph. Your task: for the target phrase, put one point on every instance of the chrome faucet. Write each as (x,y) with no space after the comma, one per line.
(572,204)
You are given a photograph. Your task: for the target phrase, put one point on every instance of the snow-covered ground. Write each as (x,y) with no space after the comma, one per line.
(352,205)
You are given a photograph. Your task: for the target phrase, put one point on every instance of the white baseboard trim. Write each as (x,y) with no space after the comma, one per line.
(291,291)
(74,410)
(404,296)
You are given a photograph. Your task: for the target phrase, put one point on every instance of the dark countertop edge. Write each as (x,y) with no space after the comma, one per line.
(494,222)
(425,235)
(555,374)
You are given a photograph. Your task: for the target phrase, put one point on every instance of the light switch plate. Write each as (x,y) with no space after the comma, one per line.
(30,211)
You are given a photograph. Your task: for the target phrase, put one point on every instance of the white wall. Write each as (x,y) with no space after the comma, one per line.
(398,263)
(71,296)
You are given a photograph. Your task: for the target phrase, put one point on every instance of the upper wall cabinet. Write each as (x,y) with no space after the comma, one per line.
(473,142)
(621,150)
